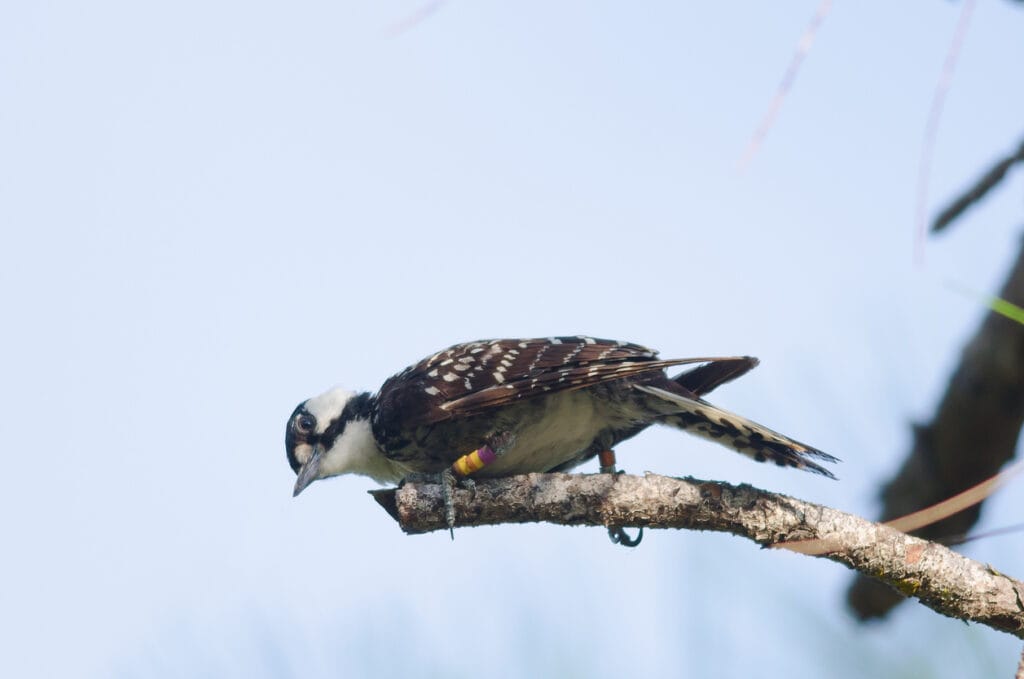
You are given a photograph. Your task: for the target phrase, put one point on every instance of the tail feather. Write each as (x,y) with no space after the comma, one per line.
(742,435)
(705,378)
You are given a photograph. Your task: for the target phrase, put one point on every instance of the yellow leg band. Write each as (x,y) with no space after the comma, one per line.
(473,462)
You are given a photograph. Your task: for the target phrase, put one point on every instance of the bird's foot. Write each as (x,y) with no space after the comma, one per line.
(469,484)
(620,537)
(617,534)
(606,458)
(448,482)
(458,473)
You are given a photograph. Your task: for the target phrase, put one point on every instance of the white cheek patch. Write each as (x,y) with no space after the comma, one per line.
(356,452)
(328,405)
(303,452)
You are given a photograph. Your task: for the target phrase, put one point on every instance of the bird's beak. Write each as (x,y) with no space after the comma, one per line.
(309,472)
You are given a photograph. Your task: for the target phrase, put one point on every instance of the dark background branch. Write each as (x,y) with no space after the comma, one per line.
(986,183)
(973,433)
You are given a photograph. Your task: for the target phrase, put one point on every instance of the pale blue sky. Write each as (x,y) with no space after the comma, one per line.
(211,211)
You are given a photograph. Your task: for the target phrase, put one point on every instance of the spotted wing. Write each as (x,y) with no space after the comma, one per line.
(469,379)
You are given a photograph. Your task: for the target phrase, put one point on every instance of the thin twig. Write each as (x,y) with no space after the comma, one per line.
(421,14)
(979,190)
(788,78)
(931,129)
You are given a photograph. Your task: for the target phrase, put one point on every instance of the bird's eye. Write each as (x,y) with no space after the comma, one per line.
(305,424)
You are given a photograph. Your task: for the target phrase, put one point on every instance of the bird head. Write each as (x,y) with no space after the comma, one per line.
(329,435)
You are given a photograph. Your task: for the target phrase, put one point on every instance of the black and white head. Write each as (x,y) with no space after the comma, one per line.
(329,435)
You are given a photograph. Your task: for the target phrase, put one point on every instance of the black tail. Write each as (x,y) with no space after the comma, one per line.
(705,378)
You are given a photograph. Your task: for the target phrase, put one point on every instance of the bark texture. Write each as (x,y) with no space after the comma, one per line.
(972,435)
(941,579)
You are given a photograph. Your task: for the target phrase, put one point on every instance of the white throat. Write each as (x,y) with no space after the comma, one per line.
(356,452)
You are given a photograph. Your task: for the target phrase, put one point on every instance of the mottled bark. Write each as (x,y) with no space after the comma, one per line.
(941,579)
(972,435)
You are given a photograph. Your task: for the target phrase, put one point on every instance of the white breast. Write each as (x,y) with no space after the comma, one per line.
(568,426)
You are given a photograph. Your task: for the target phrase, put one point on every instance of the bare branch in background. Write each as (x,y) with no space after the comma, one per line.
(979,190)
(788,78)
(972,435)
(415,19)
(924,166)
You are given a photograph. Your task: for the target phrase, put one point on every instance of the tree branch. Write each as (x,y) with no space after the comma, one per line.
(973,434)
(941,579)
(978,190)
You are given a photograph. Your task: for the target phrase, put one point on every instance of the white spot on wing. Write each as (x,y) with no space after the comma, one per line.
(449,377)
(575,352)
(433,391)
(499,378)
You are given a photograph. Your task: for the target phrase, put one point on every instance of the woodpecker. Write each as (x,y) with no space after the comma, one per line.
(520,406)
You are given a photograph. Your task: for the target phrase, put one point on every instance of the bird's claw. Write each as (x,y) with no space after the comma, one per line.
(469,484)
(618,534)
(449,482)
(620,537)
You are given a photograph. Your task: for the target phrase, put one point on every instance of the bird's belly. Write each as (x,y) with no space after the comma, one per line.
(556,430)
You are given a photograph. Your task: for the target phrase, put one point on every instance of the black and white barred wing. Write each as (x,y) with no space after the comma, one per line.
(472,378)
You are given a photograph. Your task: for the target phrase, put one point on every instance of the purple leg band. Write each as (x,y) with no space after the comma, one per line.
(487,455)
